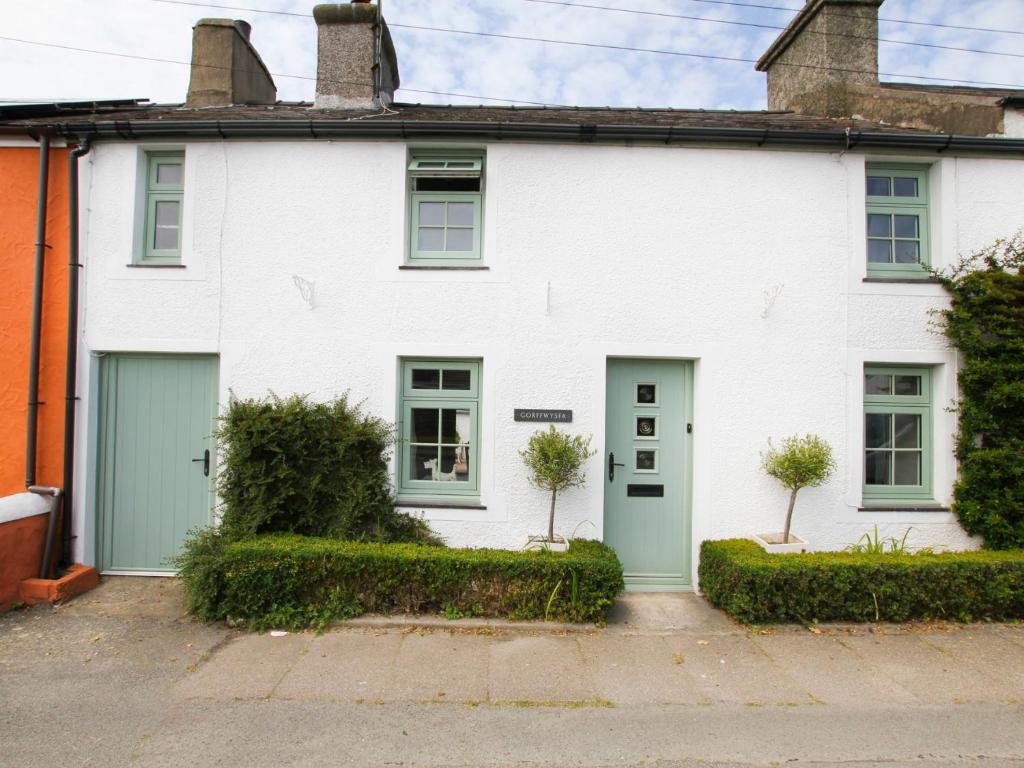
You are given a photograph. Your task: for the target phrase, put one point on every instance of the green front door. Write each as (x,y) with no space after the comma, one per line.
(646,470)
(156,457)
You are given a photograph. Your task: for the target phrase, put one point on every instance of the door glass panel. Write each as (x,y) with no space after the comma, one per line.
(430,239)
(877,467)
(424,425)
(454,464)
(455,425)
(877,430)
(646,394)
(907,430)
(908,468)
(878,186)
(905,226)
(904,187)
(880,251)
(877,384)
(432,214)
(460,240)
(907,251)
(423,462)
(646,460)
(908,385)
(460,214)
(879,225)
(646,426)
(426,378)
(168,173)
(456,379)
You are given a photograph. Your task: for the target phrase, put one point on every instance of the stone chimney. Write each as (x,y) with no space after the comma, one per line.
(356,67)
(226,69)
(804,62)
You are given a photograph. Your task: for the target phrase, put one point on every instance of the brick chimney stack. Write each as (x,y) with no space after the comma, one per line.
(356,66)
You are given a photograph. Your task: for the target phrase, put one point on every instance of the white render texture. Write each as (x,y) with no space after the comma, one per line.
(593,251)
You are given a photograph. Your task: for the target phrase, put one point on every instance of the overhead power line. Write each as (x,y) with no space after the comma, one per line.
(730,22)
(273,74)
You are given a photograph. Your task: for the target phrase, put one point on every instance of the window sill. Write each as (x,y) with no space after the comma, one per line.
(925,507)
(907,280)
(155,266)
(437,504)
(443,267)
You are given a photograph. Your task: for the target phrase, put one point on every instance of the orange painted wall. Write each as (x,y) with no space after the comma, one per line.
(19,174)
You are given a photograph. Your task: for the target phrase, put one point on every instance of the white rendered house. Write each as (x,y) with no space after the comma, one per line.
(686,283)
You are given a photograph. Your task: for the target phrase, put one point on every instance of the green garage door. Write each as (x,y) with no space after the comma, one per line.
(155,467)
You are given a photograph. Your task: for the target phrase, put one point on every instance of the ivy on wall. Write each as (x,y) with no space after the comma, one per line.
(986,323)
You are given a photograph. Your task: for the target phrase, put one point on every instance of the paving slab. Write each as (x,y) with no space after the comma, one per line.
(538,669)
(347,665)
(667,612)
(996,663)
(251,667)
(639,669)
(440,666)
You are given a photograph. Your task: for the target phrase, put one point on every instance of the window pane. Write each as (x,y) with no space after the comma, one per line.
(877,430)
(423,462)
(168,173)
(907,251)
(908,468)
(908,385)
(907,430)
(460,240)
(877,467)
(167,213)
(646,426)
(878,186)
(165,238)
(454,464)
(877,384)
(460,214)
(904,187)
(426,378)
(424,425)
(432,214)
(431,164)
(880,251)
(455,379)
(448,184)
(455,425)
(905,226)
(459,164)
(430,239)
(879,225)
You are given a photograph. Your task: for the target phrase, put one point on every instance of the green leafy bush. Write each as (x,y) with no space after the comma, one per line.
(555,461)
(317,469)
(285,580)
(801,462)
(756,587)
(986,323)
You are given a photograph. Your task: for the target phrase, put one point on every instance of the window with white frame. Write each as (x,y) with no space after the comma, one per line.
(897,435)
(445,208)
(165,189)
(439,423)
(897,221)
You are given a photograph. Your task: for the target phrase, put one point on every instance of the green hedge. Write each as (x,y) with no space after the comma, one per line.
(284,580)
(756,587)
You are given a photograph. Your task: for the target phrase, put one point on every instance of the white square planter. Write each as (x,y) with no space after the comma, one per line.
(541,542)
(772,542)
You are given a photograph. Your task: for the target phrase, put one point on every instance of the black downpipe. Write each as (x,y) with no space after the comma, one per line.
(37,312)
(71,371)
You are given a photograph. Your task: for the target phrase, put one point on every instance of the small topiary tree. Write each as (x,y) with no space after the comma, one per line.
(555,461)
(801,462)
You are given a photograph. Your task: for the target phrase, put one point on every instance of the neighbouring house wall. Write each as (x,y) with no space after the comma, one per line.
(19,179)
(593,251)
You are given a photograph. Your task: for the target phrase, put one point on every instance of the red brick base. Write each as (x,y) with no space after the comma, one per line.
(79,578)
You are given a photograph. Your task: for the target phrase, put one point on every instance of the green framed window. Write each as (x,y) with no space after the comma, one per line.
(439,424)
(897,221)
(897,435)
(445,208)
(165,189)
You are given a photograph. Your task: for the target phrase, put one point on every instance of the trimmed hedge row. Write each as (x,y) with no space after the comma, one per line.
(760,588)
(285,580)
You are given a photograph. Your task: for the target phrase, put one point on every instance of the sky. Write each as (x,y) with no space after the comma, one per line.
(480,67)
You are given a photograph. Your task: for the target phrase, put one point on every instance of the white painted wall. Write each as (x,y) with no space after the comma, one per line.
(644,251)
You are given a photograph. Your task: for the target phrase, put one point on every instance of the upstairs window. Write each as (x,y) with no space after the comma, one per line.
(897,221)
(897,435)
(165,189)
(446,209)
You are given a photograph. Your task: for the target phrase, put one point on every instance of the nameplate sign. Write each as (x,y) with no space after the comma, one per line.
(542,414)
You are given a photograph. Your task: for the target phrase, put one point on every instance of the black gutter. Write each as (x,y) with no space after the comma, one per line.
(37,313)
(434,129)
(71,365)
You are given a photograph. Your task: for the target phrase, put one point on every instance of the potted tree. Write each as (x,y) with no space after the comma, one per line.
(801,462)
(555,462)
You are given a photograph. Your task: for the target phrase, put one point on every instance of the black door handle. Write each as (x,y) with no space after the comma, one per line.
(206,462)
(612,464)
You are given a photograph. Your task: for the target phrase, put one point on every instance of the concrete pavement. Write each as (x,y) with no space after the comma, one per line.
(121,677)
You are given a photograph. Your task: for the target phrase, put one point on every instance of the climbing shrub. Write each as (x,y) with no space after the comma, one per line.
(317,469)
(759,588)
(292,581)
(986,323)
